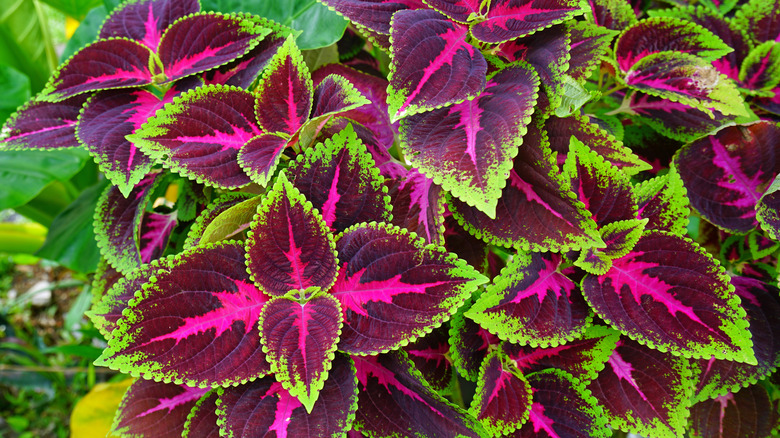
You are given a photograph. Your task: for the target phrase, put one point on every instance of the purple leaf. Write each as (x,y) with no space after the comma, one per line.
(502,400)
(430,355)
(393,288)
(394,401)
(532,303)
(263,408)
(767,211)
(458,10)
(761,301)
(759,20)
(146,20)
(195,322)
(537,210)
(374,115)
(467,148)
(602,187)
(583,358)
(418,205)
(663,201)
(469,345)
(751,412)
(588,44)
(118,224)
(43,125)
(289,246)
(299,339)
(673,119)
(202,419)
(562,406)
(199,134)
(670,294)
(620,237)
(335,95)
(372,14)
(658,34)
(202,41)
(284,92)
(612,14)
(761,69)
(583,128)
(644,391)
(510,19)
(340,179)
(152,408)
(107,118)
(431,64)
(726,173)
(154,233)
(104,64)
(260,156)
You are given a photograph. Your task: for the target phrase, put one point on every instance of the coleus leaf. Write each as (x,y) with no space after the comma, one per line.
(760,20)
(43,125)
(418,205)
(644,391)
(212,340)
(373,15)
(611,14)
(105,278)
(431,64)
(145,20)
(761,301)
(153,236)
(726,172)
(284,93)
(583,358)
(687,79)
(469,344)
(289,245)
(394,288)
(674,119)
(233,219)
(510,19)
(589,43)
(761,68)
(663,201)
(462,11)
(561,129)
(118,223)
(602,187)
(106,312)
(264,408)
(659,34)
(767,210)
(502,400)
(341,180)
(562,406)
(467,148)
(471,249)
(202,41)
(532,303)
(333,95)
(210,213)
(199,134)
(395,401)
(202,419)
(155,408)
(431,356)
(537,211)
(374,115)
(645,296)
(260,156)
(104,64)
(761,246)
(107,118)
(620,237)
(751,412)
(300,339)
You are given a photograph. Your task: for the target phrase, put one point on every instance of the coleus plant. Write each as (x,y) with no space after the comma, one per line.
(482,218)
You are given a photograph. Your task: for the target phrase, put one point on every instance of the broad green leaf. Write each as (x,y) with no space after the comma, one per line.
(321,27)
(86,32)
(24,40)
(23,174)
(77,9)
(71,239)
(16,90)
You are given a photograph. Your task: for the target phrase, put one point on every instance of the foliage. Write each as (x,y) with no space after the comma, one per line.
(457,218)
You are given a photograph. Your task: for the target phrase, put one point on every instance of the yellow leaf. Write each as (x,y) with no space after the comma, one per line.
(93,415)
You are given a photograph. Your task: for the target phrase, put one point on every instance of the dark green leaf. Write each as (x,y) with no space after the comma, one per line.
(86,32)
(23,174)
(71,240)
(74,8)
(16,90)
(24,42)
